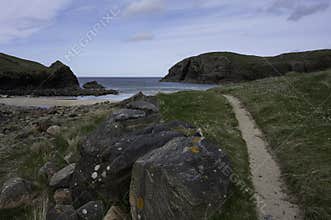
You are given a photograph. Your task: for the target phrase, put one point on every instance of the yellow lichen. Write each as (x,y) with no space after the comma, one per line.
(196,140)
(140,203)
(195,149)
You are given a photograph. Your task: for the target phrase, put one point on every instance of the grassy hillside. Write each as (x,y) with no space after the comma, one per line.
(294,111)
(211,112)
(219,67)
(13,64)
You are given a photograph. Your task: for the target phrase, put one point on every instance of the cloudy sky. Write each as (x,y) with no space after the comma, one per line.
(146,37)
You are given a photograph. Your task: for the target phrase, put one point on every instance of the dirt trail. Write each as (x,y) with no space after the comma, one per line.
(272,200)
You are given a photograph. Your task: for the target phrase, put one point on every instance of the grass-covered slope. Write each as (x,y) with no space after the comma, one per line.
(18,74)
(14,64)
(294,111)
(232,67)
(211,112)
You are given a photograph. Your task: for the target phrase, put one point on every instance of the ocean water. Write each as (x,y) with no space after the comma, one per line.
(149,86)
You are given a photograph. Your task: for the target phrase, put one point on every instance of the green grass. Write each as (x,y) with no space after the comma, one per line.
(211,112)
(294,112)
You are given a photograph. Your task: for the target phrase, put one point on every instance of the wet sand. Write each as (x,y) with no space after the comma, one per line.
(48,101)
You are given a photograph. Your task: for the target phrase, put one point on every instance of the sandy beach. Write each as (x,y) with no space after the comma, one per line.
(48,101)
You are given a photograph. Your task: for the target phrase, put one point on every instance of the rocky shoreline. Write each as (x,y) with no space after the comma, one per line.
(58,92)
(130,165)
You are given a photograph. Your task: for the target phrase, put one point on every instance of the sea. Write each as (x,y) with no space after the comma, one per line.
(128,87)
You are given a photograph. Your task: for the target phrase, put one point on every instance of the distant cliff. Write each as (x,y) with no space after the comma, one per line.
(16,73)
(220,67)
(24,77)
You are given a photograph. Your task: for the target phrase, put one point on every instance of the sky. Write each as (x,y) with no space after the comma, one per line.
(125,38)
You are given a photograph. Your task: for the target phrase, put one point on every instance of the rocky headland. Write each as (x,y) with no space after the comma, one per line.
(220,67)
(23,77)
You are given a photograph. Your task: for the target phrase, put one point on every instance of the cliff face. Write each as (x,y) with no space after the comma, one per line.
(225,66)
(16,73)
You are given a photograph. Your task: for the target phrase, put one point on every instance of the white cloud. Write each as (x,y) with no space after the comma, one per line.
(138,7)
(141,37)
(21,18)
(298,9)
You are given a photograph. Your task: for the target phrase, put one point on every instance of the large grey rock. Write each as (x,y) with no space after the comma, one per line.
(93,210)
(143,105)
(62,177)
(184,179)
(62,212)
(105,166)
(126,114)
(15,193)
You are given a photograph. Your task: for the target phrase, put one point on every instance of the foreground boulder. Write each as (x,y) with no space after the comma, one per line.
(108,153)
(184,179)
(107,168)
(15,193)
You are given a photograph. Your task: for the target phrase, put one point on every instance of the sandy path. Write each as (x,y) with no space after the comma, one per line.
(270,192)
(47,101)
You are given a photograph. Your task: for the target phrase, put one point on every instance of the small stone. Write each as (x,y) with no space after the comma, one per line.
(54,130)
(63,197)
(104,174)
(97,167)
(62,177)
(65,212)
(94,175)
(15,193)
(116,213)
(48,170)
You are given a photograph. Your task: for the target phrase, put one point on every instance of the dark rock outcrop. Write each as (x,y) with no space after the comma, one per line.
(220,67)
(24,77)
(182,180)
(93,85)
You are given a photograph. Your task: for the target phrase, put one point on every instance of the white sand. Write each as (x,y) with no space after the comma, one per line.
(273,202)
(47,101)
